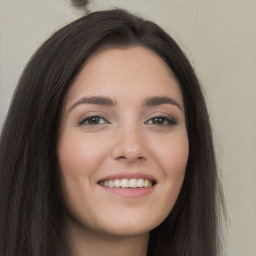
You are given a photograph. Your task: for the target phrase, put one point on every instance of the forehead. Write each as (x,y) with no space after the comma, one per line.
(130,71)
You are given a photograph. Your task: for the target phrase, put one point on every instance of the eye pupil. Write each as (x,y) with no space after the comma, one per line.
(158,120)
(94,120)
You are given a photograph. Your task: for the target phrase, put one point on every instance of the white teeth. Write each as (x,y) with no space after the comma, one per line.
(127,183)
(145,184)
(106,183)
(117,183)
(140,183)
(111,184)
(133,183)
(124,183)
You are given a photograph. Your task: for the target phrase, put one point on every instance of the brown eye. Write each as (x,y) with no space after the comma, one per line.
(162,120)
(93,120)
(158,120)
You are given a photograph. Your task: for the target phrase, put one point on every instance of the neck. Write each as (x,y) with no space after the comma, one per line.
(85,242)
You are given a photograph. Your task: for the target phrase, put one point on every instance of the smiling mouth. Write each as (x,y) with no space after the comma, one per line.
(128,183)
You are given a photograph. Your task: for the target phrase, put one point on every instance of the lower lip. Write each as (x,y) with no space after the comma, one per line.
(129,192)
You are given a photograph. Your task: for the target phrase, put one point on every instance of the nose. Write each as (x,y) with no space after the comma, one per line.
(129,145)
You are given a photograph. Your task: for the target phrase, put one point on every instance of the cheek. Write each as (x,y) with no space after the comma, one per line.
(79,159)
(172,158)
(78,155)
(172,154)
(176,163)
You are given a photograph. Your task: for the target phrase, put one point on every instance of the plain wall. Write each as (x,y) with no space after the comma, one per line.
(219,37)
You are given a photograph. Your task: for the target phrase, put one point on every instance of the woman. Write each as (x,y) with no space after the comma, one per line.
(107,147)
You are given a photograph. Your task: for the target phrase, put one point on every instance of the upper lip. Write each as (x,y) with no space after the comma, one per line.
(129,175)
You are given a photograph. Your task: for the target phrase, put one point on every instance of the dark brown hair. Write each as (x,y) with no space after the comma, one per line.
(31,210)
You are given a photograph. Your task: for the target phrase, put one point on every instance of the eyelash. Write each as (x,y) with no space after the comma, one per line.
(90,118)
(168,120)
(164,120)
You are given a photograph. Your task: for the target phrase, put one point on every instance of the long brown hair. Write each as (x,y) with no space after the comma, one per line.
(31,209)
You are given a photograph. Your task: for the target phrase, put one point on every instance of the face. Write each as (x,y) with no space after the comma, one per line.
(123,144)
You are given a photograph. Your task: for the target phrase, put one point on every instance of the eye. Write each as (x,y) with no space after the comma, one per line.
(93,120)
(162,121)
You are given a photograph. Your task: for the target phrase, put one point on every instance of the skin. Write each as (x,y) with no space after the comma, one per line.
(126,138)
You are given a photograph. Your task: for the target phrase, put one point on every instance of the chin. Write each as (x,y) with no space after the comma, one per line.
(126,224)
(125,230)
(130,225)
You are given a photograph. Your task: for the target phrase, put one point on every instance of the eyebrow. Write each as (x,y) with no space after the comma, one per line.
(159,100)
(106,101)
(98,100)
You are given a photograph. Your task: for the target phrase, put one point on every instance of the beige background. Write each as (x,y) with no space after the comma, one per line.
(219,37)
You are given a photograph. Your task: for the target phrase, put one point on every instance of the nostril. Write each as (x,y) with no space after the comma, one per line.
(121,157)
